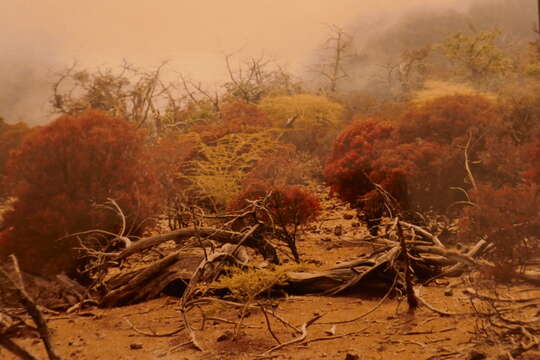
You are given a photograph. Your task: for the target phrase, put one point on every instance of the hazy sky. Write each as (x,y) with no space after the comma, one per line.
(38,37)
(183,31)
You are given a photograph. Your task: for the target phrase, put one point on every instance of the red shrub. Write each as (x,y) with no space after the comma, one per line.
(10,138)
(293,205)
(288,204)
(417,159)
(534,171)
(507,217)
(288,207)
(503,161)
(447,119)
(235,118)
(60,172)
(172,156)
(278,170)
(350,169)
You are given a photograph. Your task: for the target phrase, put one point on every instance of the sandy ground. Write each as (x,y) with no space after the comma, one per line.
(389,332)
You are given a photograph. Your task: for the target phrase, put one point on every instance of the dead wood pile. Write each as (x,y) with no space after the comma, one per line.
(382,269)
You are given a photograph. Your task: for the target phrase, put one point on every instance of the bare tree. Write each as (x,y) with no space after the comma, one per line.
(131,93)
(538,8)
(337,49)
(256,78)
(399,76)
(197,93)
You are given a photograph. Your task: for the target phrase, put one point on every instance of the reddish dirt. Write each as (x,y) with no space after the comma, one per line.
(389,332)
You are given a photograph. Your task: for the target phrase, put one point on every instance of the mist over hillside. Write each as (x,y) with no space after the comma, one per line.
(42,39)
(379,40)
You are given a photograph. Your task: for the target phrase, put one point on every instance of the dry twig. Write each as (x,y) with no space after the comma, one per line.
(31,308)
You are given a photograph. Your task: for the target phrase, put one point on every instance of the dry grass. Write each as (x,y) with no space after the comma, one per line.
(436,89)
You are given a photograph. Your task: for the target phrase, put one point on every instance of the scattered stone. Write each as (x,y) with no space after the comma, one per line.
(350,356)
(348,216)
(448,292)
(476,355)
(227,335)
(338,230)
(355,224)
(135,346)
(326,239)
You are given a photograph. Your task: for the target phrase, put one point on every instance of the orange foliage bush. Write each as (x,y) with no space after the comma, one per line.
(351,168)
(288,204)
(534,171)
(451,143)
(289,207)
(508,218)
(447,119)
(237,117)
(10,138)
(417,158)
(278,170)
(172,156)
(60,172)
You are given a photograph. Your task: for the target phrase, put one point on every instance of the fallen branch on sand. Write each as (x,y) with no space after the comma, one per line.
(18,288)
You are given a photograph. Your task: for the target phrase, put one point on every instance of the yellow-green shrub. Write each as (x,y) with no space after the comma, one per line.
(316,120)
(245,285)
(218,173)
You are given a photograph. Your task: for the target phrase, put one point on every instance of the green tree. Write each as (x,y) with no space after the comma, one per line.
(477,56)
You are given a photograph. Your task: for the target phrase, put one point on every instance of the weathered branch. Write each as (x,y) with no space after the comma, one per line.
(219,235)
(424,232)
(15,349)
(30,306)
(411,299)
(299,339)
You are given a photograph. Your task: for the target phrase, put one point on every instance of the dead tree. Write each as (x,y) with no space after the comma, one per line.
(538,27)
(14,283)
(255,78)
(130,93)
(336,51)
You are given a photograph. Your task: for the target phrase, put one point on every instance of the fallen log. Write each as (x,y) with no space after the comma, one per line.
(458,268)
(380,262)
(381,270)
(145,284)
(172,274)
(255,241)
